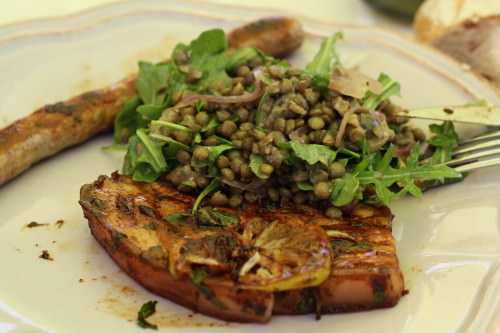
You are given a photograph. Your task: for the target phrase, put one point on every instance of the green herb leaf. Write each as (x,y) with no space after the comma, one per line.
(146,311)
(212,124)
(326,57)
(445,140)
(150,111)
(152,82)
(213,217)
(390,88)
(255,162)
(212,187)
(208,43)
(177,217)
(344,190)
(320,67)
(127,121)
(172,126)
(240,57)
(313,153)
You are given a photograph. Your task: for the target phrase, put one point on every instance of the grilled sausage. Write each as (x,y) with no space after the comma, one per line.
(365,272)
(276,36)
(55,127)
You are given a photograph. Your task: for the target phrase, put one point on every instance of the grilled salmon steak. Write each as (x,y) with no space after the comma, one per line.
(247,264)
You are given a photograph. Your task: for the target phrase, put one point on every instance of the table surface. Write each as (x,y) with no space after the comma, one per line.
(348,11)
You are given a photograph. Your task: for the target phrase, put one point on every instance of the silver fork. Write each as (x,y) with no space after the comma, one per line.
(476,153)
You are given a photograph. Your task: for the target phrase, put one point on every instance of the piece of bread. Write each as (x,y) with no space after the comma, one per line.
(467,30)
(125,218)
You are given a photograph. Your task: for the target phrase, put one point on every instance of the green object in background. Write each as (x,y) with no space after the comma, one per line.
(401,8)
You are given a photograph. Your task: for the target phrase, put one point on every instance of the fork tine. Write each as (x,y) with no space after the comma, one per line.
(467,148)
(474,155)
(490,135)
(478,164)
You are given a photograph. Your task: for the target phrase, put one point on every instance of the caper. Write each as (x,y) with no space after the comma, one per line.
(227,128)
(234,154)
(235,200)
(222,162)
(328,140)
(336,169)
(319,175)
(277,71)
(286,86)
(211,141)
(245,171)
(227,174)
(246,126)
(273,194)
(182,136)
(290,126)
(249,79)
(273,88)
(237,143)
(189,110)
(296,108)
(183,157)
(201,181)
(236,164)
(266,169)
(247,143)
(258,134)
(279,124)
(333,212)
(238,89)
(311,96)
(223,115)
(242,71)
(202,118)
(172,116)
(218,199)
(316,123)
(356,134)
(242,114)
(322,190)
(194,75)
(200,153)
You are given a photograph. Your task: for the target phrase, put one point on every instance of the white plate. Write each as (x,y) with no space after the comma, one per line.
(448,242)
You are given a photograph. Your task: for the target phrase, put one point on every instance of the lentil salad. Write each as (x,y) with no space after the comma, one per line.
(236,126)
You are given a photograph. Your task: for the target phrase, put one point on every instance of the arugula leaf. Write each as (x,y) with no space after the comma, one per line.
(127,121)
(240,57)
(146,311)
(144,160)
(212,124)
(255,162)
(313,153)
(344,190)
(177,217)
(209,42)
(389,88)
(152,82)
(151,111)
(326,56)
(172,126)
(212,187)
(208,216)
(320,67)
(445,139)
